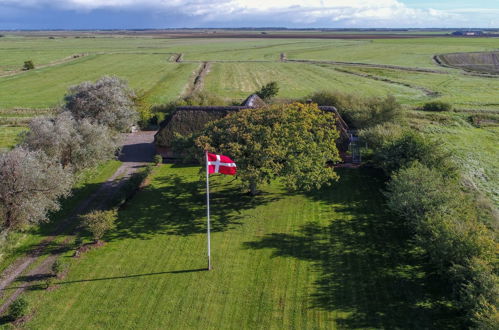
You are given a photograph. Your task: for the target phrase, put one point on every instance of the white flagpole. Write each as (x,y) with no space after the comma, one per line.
(208,210)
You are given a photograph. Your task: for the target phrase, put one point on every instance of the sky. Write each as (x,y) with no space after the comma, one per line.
(139,14)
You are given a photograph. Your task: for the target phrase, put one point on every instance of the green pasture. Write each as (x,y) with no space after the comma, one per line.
(401,52)
(9,136)
(296,80)
(475,150)
(463,91)
(46,87)
(325,260)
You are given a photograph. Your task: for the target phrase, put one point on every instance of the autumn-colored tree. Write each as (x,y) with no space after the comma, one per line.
(293,142)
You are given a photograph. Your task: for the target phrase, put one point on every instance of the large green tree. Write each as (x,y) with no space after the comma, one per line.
(293,142)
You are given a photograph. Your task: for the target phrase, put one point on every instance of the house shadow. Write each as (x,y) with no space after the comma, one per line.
(137,153)
(367,267)
(178,207)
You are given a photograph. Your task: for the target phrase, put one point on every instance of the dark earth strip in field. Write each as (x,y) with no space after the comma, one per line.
(61,61)
(137,151)
(441,61)
(427,91)
(197,83)
(381,66)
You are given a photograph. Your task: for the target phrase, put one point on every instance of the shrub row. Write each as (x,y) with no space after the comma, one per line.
(425,192)
(360,112)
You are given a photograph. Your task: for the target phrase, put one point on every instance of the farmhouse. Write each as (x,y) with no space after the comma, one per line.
(186,120)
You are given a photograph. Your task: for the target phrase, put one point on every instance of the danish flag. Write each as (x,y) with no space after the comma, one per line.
(220,164)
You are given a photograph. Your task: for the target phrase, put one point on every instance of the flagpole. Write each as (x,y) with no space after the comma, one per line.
(208,210)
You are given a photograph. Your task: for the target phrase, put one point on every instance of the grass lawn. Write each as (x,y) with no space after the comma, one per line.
(19,243)
(330,259)
(43,88)
(9,136)
(233,80)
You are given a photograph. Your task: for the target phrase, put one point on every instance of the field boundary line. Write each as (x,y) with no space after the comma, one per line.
(48,65)
(381,66)
(426,91)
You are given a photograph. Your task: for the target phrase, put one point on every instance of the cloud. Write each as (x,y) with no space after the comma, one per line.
(290,13)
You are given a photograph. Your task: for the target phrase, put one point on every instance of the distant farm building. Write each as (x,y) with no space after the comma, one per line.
(468,33)
(186,120)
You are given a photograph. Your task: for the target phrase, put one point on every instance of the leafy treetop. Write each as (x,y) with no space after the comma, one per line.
(293,142)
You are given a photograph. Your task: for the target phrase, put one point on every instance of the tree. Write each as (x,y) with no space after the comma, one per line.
(268,91)
(31,185)
(79,144)
(109,101)
(28,65)
(293,142)
(99,222)
(413,147)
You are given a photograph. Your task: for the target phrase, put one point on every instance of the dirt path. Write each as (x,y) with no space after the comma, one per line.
(138,150)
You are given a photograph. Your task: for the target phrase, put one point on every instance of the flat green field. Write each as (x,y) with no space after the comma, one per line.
(332,259)
(46,87)
(475,150)
(9,136)
(296,80)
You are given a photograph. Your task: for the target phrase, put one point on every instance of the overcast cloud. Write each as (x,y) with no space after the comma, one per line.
(238,13)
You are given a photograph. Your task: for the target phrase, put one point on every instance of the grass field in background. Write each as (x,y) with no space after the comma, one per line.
(330,259)
(296,80)
(46,87)
(475,151)
(463,91)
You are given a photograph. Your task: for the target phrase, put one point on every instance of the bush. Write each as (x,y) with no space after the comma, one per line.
(381,135)
(158,159)
(99,222)
(28,65)
(18,308)
(437,106)
(268,91)
(58,267)
(413,147)
(360,112)
(131,186)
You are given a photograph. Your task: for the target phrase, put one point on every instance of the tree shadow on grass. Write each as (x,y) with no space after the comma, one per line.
(367,266)
(178,207)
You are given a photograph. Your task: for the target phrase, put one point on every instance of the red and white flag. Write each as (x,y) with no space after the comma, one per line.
(220,164)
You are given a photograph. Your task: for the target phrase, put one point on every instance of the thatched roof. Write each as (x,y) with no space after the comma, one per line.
(186,120)
(254,101)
